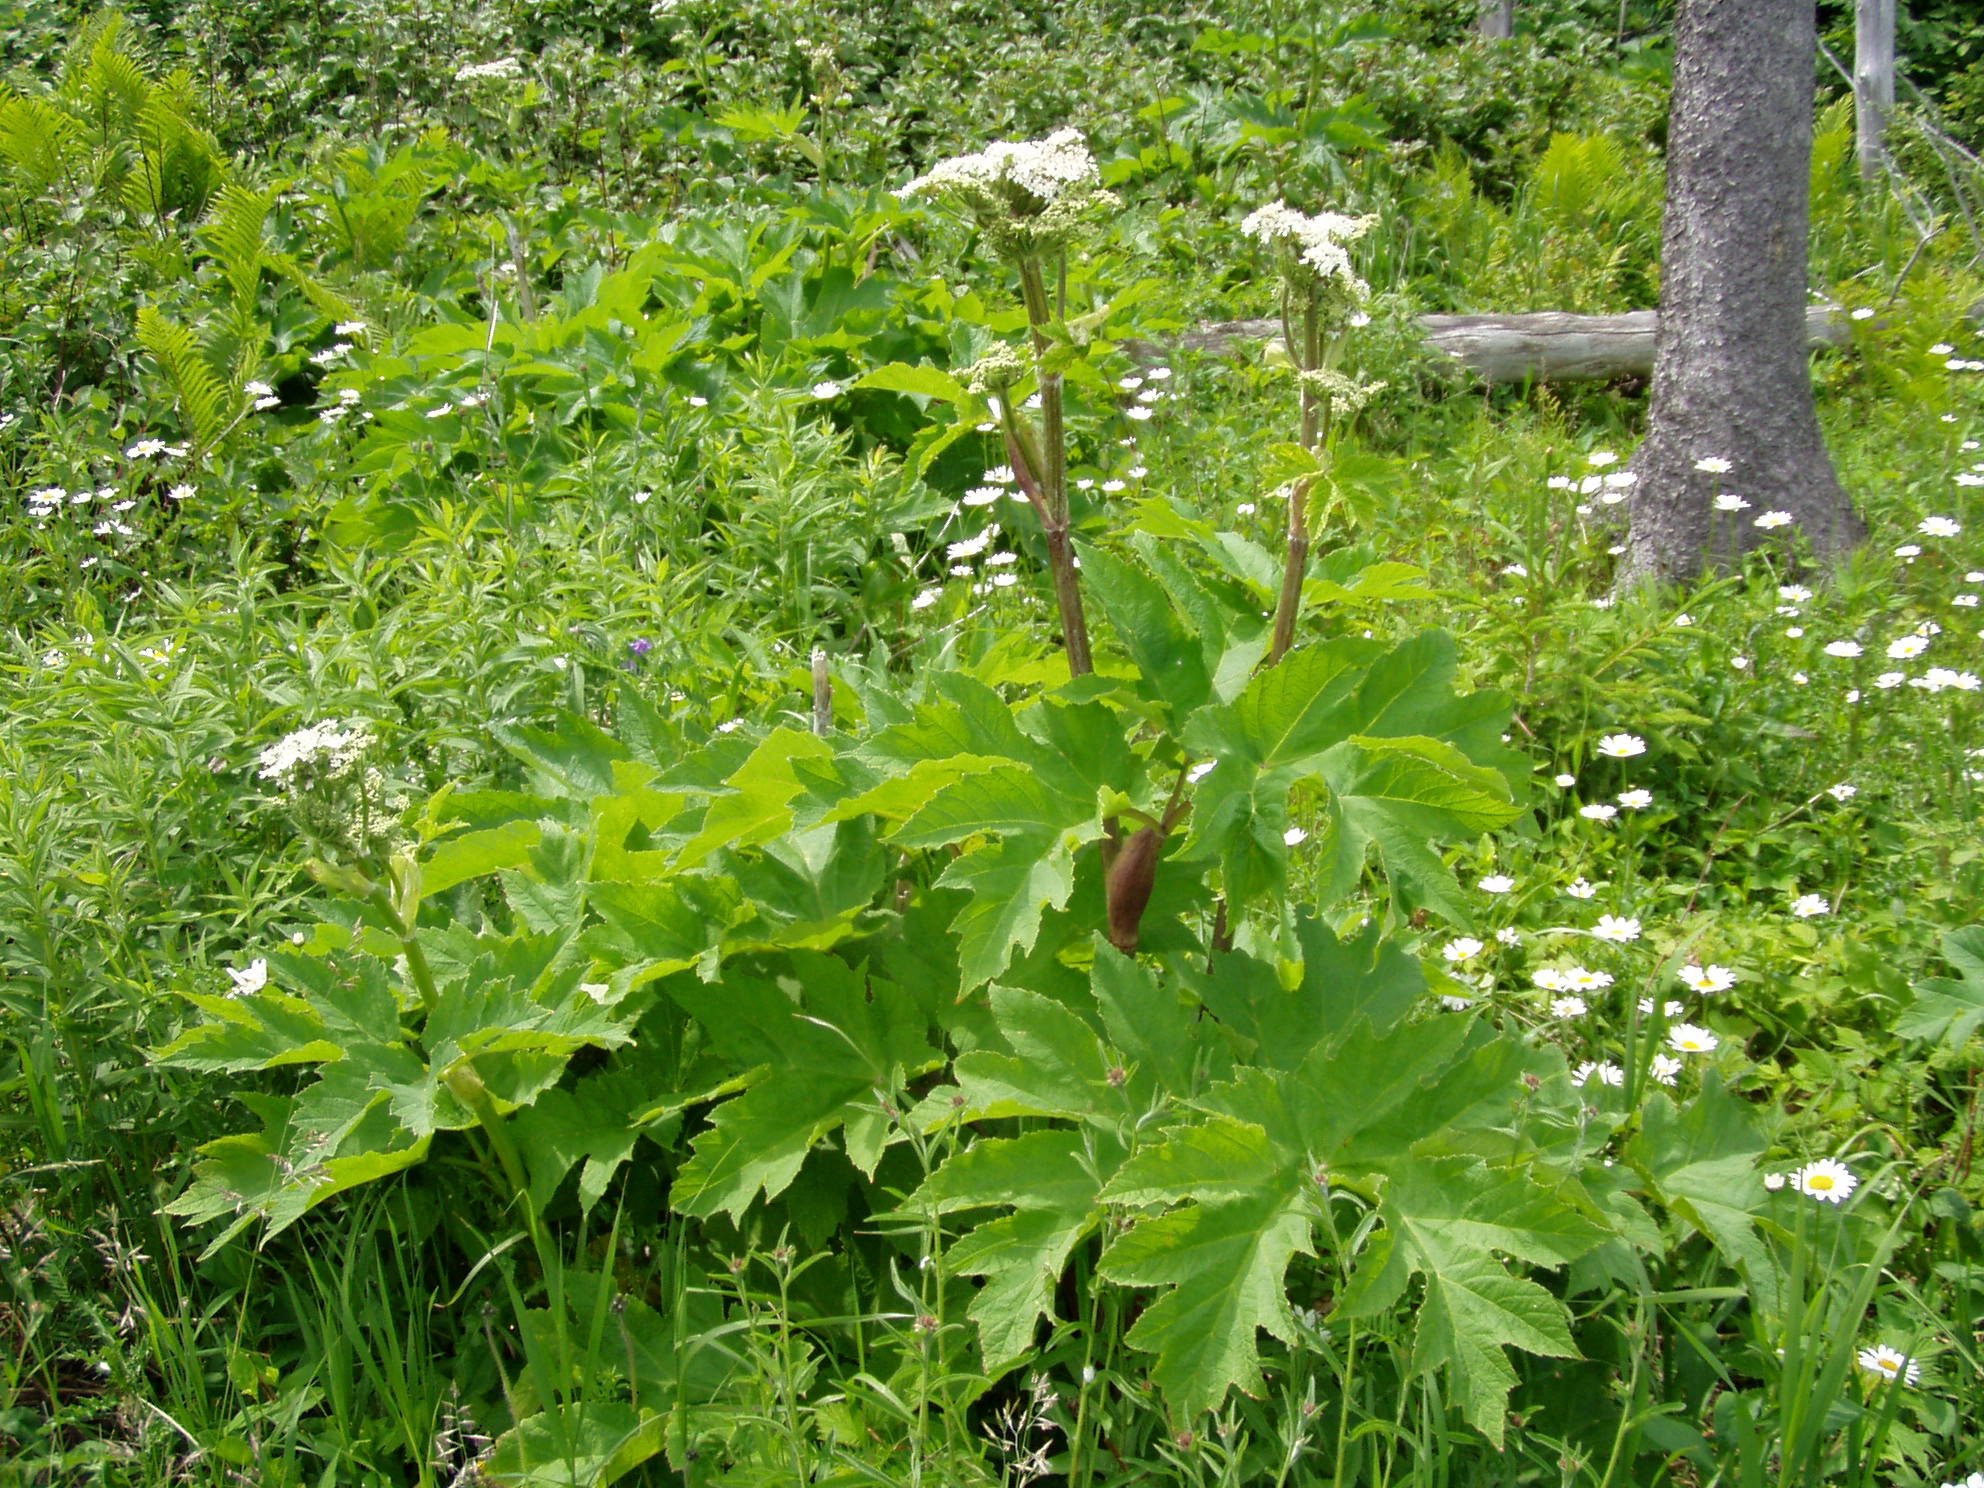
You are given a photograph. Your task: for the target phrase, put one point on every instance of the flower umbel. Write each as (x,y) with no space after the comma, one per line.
(1028,195)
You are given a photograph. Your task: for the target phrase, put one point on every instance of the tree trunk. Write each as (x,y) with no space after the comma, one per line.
(1873,82)
(1496,19)
(1730,373)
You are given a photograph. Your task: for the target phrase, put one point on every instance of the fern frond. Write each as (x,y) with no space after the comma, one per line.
(1576,174)
(232,233)
(179,165)
(328,301)
(40,142)
(206,405)
(104,80)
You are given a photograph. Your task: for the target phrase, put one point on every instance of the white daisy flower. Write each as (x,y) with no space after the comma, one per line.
(1827,1180)
(1707,979)
(1888,1364)
(1618,929)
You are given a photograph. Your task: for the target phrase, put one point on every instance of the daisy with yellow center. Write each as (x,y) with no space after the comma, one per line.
(1827,1180)
(1888,1363)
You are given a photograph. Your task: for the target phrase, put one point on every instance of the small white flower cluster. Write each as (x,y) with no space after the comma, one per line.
(502,70)
(148,449)
(1946,679)
(322,751)
(1318,244)
(333,788)
(1571,979)
(1610,488)
(1044,169)
(1029,196)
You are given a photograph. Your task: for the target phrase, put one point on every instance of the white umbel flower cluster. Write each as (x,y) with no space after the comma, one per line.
(502,70)
(1044,169)
(1029,196)
(323,751)
(335,790)
(1317,244)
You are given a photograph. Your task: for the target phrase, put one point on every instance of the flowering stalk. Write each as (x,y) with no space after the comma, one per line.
(1030,198)
(1315,431)
(1053,474)
(1316,271)
(398,905)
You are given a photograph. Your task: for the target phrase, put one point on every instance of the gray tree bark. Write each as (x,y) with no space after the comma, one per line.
(1496,19)
(1731,379)
(1531,346)
(1873,82)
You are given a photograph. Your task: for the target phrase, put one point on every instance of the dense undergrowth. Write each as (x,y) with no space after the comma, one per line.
(581,1052)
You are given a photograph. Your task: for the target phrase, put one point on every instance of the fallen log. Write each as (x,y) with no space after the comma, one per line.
(1546,346)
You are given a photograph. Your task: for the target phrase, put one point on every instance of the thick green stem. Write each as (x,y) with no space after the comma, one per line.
(466,1086)
(1068,596)
(1315,432)
(417,969)
(1051,472)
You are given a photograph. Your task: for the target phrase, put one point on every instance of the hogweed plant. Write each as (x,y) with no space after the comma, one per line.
(1321,299)
(1031,199)
(1035,1041)
(930,942)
